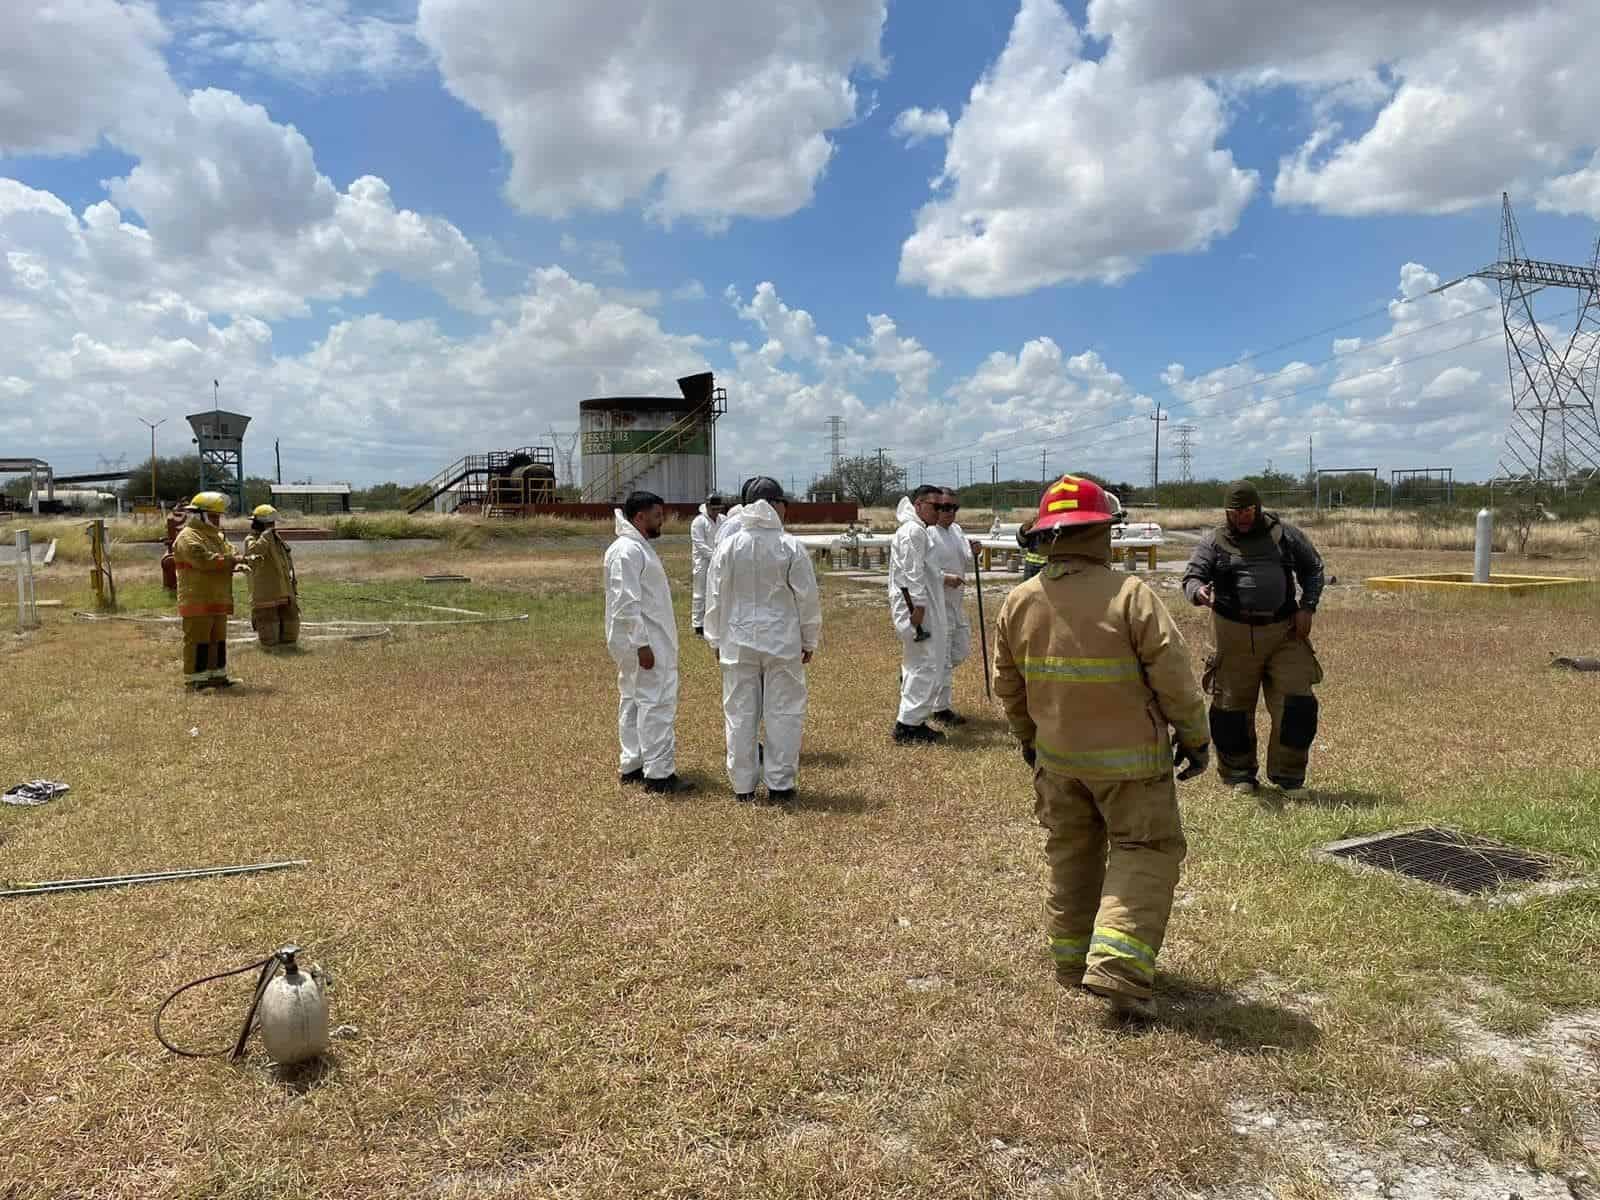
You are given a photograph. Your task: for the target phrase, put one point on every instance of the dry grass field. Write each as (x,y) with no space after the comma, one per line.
(558,988)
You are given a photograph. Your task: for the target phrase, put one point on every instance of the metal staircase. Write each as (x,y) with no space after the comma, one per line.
(628,469)
(474,476)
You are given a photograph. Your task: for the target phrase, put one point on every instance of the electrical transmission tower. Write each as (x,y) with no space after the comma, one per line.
(566,445)
(835,445)
(1185,452)
(1553,435)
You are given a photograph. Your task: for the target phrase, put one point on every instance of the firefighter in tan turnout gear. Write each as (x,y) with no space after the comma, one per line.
(274,589)
(205,564)
(1091,670)
(1245,571)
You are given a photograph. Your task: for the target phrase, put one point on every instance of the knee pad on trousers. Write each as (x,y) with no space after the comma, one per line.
(1232,730)
(1299,722)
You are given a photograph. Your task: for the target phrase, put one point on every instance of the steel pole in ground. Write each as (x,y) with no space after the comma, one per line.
(1483,543)
(983,627)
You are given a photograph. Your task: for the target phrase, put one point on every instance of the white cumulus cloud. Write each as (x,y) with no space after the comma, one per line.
(919,125)
(710,109)
(1065,168)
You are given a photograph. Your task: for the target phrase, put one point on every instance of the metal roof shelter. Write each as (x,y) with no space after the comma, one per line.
(33,468)
(311,497)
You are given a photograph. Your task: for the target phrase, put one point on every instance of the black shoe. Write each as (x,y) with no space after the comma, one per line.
(745,797)
(948,716)
(906,734)
(670,786)
(699,631)
(780,796)
(634,776)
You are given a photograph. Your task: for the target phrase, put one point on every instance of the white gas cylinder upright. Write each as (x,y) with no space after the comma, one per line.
(293,1014)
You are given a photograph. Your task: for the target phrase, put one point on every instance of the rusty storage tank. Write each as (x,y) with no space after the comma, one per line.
(660,444)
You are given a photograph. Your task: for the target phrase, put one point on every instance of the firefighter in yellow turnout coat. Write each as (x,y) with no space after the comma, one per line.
(274,590)
(205,565)
(1091,670)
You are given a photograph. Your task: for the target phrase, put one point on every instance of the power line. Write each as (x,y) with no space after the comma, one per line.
(1293,368)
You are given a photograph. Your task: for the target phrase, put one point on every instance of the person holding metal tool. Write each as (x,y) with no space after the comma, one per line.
(274,588)
(763,618)
(642,636)
(1091,669)
(916,605)
(952,554)
(1245,571)
(205,564)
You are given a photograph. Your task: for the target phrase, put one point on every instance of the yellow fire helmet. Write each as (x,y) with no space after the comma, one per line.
(211,502)
(264,512)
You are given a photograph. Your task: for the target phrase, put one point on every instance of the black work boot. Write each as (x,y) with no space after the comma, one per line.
(634,776)
(949,716)
(670,786)
(911,734)
(780,795)
(745,797)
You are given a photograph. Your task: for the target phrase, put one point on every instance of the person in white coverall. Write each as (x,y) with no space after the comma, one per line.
(953,555)
(763,617)
(642,636)
(702,545)
(916,602)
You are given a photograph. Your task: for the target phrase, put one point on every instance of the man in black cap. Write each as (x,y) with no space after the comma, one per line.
(1245,571)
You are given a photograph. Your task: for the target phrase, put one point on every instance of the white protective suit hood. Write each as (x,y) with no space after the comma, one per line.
(907,511)
(761,515)
(638,598)
(762,591)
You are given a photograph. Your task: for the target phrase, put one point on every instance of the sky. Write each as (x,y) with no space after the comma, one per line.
(987,234)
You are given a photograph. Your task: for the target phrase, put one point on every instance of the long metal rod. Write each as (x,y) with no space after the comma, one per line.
(23,888)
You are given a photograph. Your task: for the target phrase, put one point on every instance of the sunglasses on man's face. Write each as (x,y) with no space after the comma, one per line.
(947,508)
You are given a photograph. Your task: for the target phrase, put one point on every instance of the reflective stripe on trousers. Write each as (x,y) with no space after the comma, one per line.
(1114,850)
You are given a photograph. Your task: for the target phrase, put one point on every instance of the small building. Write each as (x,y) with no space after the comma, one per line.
(311,498)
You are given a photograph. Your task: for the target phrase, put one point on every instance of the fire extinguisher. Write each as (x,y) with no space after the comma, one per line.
(290,1009)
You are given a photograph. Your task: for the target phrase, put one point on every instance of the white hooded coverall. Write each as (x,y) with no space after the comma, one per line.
(702,545)
(912,567)
(953,557)
(639,613)
(762,613)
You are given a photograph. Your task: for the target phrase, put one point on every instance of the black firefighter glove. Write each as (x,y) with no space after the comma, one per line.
(1198,758)
(1029,755)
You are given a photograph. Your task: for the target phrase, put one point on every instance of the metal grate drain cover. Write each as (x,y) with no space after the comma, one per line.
(1452,860)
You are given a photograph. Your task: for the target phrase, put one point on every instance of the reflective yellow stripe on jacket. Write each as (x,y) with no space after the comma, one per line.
(1080,670)
(1123,762)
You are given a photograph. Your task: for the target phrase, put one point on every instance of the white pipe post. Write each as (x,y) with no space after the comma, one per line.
(27,611)
(1482,545)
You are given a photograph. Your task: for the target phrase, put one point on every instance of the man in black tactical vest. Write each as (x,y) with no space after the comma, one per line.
(1245,571)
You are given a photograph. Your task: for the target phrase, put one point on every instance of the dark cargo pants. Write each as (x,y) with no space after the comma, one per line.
(1247,659)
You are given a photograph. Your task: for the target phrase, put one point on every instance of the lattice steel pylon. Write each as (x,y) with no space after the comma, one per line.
(1185,452)
(1553,437)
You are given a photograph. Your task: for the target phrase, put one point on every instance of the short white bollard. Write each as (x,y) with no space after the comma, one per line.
(1483,543)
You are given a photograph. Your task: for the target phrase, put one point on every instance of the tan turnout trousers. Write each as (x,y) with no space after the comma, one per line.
(1247,659)
(1114,849)
(277,625)
(205,649)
